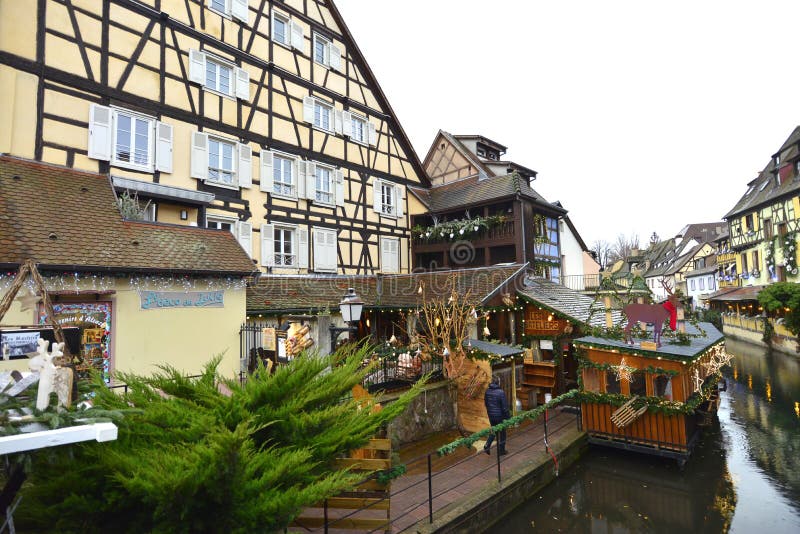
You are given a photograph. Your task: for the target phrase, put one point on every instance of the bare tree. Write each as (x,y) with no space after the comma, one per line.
(602,252)
(623,246)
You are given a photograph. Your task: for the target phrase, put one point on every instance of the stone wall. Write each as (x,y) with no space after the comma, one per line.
(432,411)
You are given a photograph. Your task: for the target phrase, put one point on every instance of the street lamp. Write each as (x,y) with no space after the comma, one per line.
(350,308)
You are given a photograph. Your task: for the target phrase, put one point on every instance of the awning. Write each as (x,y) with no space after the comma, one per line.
(736,295)
(166,192)
(497,349)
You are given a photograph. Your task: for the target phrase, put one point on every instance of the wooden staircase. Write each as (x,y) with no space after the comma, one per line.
(538,378)
(626,414)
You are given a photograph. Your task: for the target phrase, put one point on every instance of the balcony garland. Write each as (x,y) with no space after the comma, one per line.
(788,244)
(459,228)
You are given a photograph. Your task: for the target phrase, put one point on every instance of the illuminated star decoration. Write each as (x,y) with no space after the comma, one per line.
(26,302)
(622,371)
(698,381)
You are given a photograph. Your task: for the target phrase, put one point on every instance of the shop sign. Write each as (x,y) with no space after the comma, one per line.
(268,340)
(543,323)
(157,300)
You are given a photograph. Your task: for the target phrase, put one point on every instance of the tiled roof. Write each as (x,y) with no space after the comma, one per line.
(67,218)
(736,294)
(474,191)
(569,302)
(696,347)
(303,293)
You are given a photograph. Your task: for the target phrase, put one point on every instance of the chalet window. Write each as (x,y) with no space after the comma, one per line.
(286,31)
(612,384)
(325,250)
(284,245)
(325,53)
(390,254)
(637,384)
(324,185)
(235,8)
(129,140)
(662,386)
(221,161)
(388,198)
(240,229)
(218,75)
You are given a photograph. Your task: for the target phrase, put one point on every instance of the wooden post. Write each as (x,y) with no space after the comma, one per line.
(513,385)
(609,318)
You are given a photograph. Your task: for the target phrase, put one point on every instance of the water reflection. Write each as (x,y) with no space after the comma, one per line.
(743,477)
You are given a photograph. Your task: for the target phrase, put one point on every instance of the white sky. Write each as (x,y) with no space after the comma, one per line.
(639,116)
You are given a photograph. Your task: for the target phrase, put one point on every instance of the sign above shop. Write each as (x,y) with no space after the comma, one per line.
(159,300)
(543,323)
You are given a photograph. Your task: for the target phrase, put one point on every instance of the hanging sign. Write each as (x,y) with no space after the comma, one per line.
(543,323)
(268,338)
(157,300)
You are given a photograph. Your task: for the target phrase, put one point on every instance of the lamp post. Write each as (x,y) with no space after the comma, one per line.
(350,308)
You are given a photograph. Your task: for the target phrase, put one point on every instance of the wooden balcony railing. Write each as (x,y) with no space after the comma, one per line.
(501,232)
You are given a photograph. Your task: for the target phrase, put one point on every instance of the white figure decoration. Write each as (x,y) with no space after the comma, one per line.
(51,378)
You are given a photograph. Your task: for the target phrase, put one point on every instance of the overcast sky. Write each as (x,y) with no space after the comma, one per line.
(639,116)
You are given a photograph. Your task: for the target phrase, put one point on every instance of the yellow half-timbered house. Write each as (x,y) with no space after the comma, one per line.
(260,117)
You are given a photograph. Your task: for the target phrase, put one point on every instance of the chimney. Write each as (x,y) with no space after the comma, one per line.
(609,318)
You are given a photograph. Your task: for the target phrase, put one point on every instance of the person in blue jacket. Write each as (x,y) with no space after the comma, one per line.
(497,410)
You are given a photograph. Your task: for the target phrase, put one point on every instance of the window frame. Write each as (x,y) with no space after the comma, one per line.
(220,219)
(151,140)
(331,185)
(292,162)
(326,51)
(287,22)
(392,211)
(292,229)
(219,63)
(364,139)
(331,116)
(227,10)
(234,161)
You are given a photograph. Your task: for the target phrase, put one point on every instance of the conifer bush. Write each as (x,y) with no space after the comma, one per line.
(189,458)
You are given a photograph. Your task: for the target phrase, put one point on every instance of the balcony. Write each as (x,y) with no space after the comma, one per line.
(503,233)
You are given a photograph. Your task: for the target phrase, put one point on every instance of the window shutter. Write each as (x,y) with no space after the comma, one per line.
(302,248)
(373,135)
(338,177)
(242,84)
(308,109)
(376,195)
(244,234)
(100,132)
(197,66)
(399,190)
(199,155)
(267,179)
(335,56)
(332,250)
(267,245)
(163,147)
(300,178)
(311,180)
(298,39)
(239,10)
(319,246)
(337,121)
(245,165)
(347,123)
(389,255)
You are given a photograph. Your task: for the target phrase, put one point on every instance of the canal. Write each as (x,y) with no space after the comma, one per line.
(744,476)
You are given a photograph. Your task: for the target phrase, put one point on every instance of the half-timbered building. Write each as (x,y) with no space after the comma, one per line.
(259,117)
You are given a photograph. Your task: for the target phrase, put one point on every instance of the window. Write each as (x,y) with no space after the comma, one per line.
(150,212)
(281,30)
(220,223)
(323,185)
(241,230)
(691,284)
(591,380)
(283,176)
(325,250)
(388,198)
(701,284)
(748,223)
(235,8)
(711,283)
(359,129)
(612,384)
(218,75)
(325,53)
(284,246)
(662,386)
(127,139)
(637,384)
(390,254)
(221,161)
(323,115)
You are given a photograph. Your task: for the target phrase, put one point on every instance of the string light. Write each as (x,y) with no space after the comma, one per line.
(76,282)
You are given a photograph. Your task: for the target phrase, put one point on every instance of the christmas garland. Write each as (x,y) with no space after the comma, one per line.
(513,421)
(608,367)
(788,244)
(387,475)
(458,228)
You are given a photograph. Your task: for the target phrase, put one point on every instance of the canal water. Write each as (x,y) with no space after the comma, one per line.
(743,477)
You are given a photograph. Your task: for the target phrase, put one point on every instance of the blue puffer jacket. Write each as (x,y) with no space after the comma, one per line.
(496,403)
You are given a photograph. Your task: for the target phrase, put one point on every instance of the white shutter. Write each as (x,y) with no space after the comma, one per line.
(399,190)
(242,84)
(338,177)
(300,178)
(244,233)
(308,109)
(337,121)
(197,66)
(267,179)
(335,56)
(311,180)
(298,39)
(372,134)
(267,245)
(376,195)
(302,247)
(239,10)
(319,246)
(347,123)
(245,165)
(332,250)
(389,255)
(100,132)
(325,249)
(199,155)
(163,147)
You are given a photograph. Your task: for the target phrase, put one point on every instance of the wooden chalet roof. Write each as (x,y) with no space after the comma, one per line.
(63,218)
(699,343)
(573,304)
(765,188)
(303,293)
